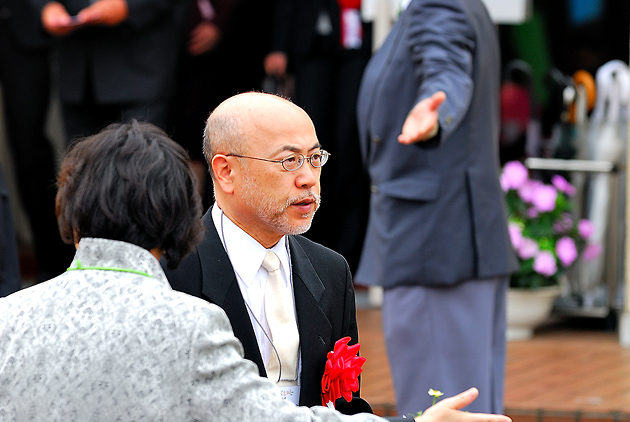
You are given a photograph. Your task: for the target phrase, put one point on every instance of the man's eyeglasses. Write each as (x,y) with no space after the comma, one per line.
(294,161)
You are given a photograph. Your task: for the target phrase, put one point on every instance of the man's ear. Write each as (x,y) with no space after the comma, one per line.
(223,173)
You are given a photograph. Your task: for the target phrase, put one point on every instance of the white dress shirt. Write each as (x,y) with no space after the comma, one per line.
(246,256)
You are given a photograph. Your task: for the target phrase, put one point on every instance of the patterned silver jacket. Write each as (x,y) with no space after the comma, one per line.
(109,340)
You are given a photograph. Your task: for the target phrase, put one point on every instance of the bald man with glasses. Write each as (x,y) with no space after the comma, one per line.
(265,161)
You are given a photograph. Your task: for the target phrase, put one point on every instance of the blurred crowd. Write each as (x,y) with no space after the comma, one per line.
(171,62)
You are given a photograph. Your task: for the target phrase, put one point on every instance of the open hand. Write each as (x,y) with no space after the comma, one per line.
(447,410)
(422,122)
(203,38)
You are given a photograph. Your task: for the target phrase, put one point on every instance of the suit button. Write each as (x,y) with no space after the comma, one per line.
(377,140)
(374,189)
(5,13)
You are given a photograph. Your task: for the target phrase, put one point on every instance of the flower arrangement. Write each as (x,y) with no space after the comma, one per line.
(341,374)
(545,234)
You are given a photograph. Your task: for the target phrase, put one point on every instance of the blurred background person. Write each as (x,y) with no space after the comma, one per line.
(117,59)
(437,238)
(222,56)
(26,84)
(326,45)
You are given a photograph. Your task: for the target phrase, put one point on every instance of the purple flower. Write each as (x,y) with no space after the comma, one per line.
(514,175)
(585,228)
(592,251)
(562,185)
(532,212)
(566,251)
(528,248)
(563,224)
(516,235)
(545,198)
(545,264)
(528,189)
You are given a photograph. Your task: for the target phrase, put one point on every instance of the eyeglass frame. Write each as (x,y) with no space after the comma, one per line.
(323,152)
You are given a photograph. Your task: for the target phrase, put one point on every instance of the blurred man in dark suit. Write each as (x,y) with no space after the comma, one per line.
(117,59)
(25,79)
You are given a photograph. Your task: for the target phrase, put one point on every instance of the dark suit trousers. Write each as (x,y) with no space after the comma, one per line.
(25,79)
(326,87)
(448,338)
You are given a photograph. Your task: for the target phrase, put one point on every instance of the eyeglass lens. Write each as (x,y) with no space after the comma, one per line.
(295,161)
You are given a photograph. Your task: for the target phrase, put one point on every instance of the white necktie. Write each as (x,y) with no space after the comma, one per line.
(281,320)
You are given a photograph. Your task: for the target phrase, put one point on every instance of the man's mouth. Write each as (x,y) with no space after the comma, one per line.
(307,204)
(304,202)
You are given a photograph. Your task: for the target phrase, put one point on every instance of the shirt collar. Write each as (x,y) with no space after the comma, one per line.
(245,253)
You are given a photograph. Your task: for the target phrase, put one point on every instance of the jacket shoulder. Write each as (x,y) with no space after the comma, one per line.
(321,256)
(187,276)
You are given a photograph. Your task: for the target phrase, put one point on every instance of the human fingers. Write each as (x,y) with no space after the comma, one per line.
(460,400)
(104,12)
(437,99)
(55,19)
(447,410)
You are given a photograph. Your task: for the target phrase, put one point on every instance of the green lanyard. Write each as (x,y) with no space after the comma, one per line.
(122,270)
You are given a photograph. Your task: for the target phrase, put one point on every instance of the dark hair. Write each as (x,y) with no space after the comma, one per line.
(130,182)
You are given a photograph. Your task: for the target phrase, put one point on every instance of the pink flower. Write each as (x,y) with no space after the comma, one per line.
(514,175)
(585,228)
(592,251)
(532,212)
(563,224)
(528,189)
(562,185)
(566,251)
(528,248)
(516,235)
(545,263)
(545,198)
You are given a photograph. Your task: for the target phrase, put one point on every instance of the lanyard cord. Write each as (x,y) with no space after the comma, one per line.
(251,312)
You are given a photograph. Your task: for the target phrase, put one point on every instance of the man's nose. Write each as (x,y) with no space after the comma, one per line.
(307,176)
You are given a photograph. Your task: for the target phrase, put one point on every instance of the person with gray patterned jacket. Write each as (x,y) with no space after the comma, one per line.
(109,340)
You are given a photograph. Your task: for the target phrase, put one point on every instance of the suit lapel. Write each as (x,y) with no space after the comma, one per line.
(220,286)
(314,327)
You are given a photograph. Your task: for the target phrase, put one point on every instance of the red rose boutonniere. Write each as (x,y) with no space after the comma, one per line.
(341,375)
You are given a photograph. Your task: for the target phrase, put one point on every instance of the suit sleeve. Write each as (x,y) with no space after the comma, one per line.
(441,43)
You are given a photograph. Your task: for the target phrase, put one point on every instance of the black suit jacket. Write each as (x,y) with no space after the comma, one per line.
(324,298)
(132,62)
(24,24)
